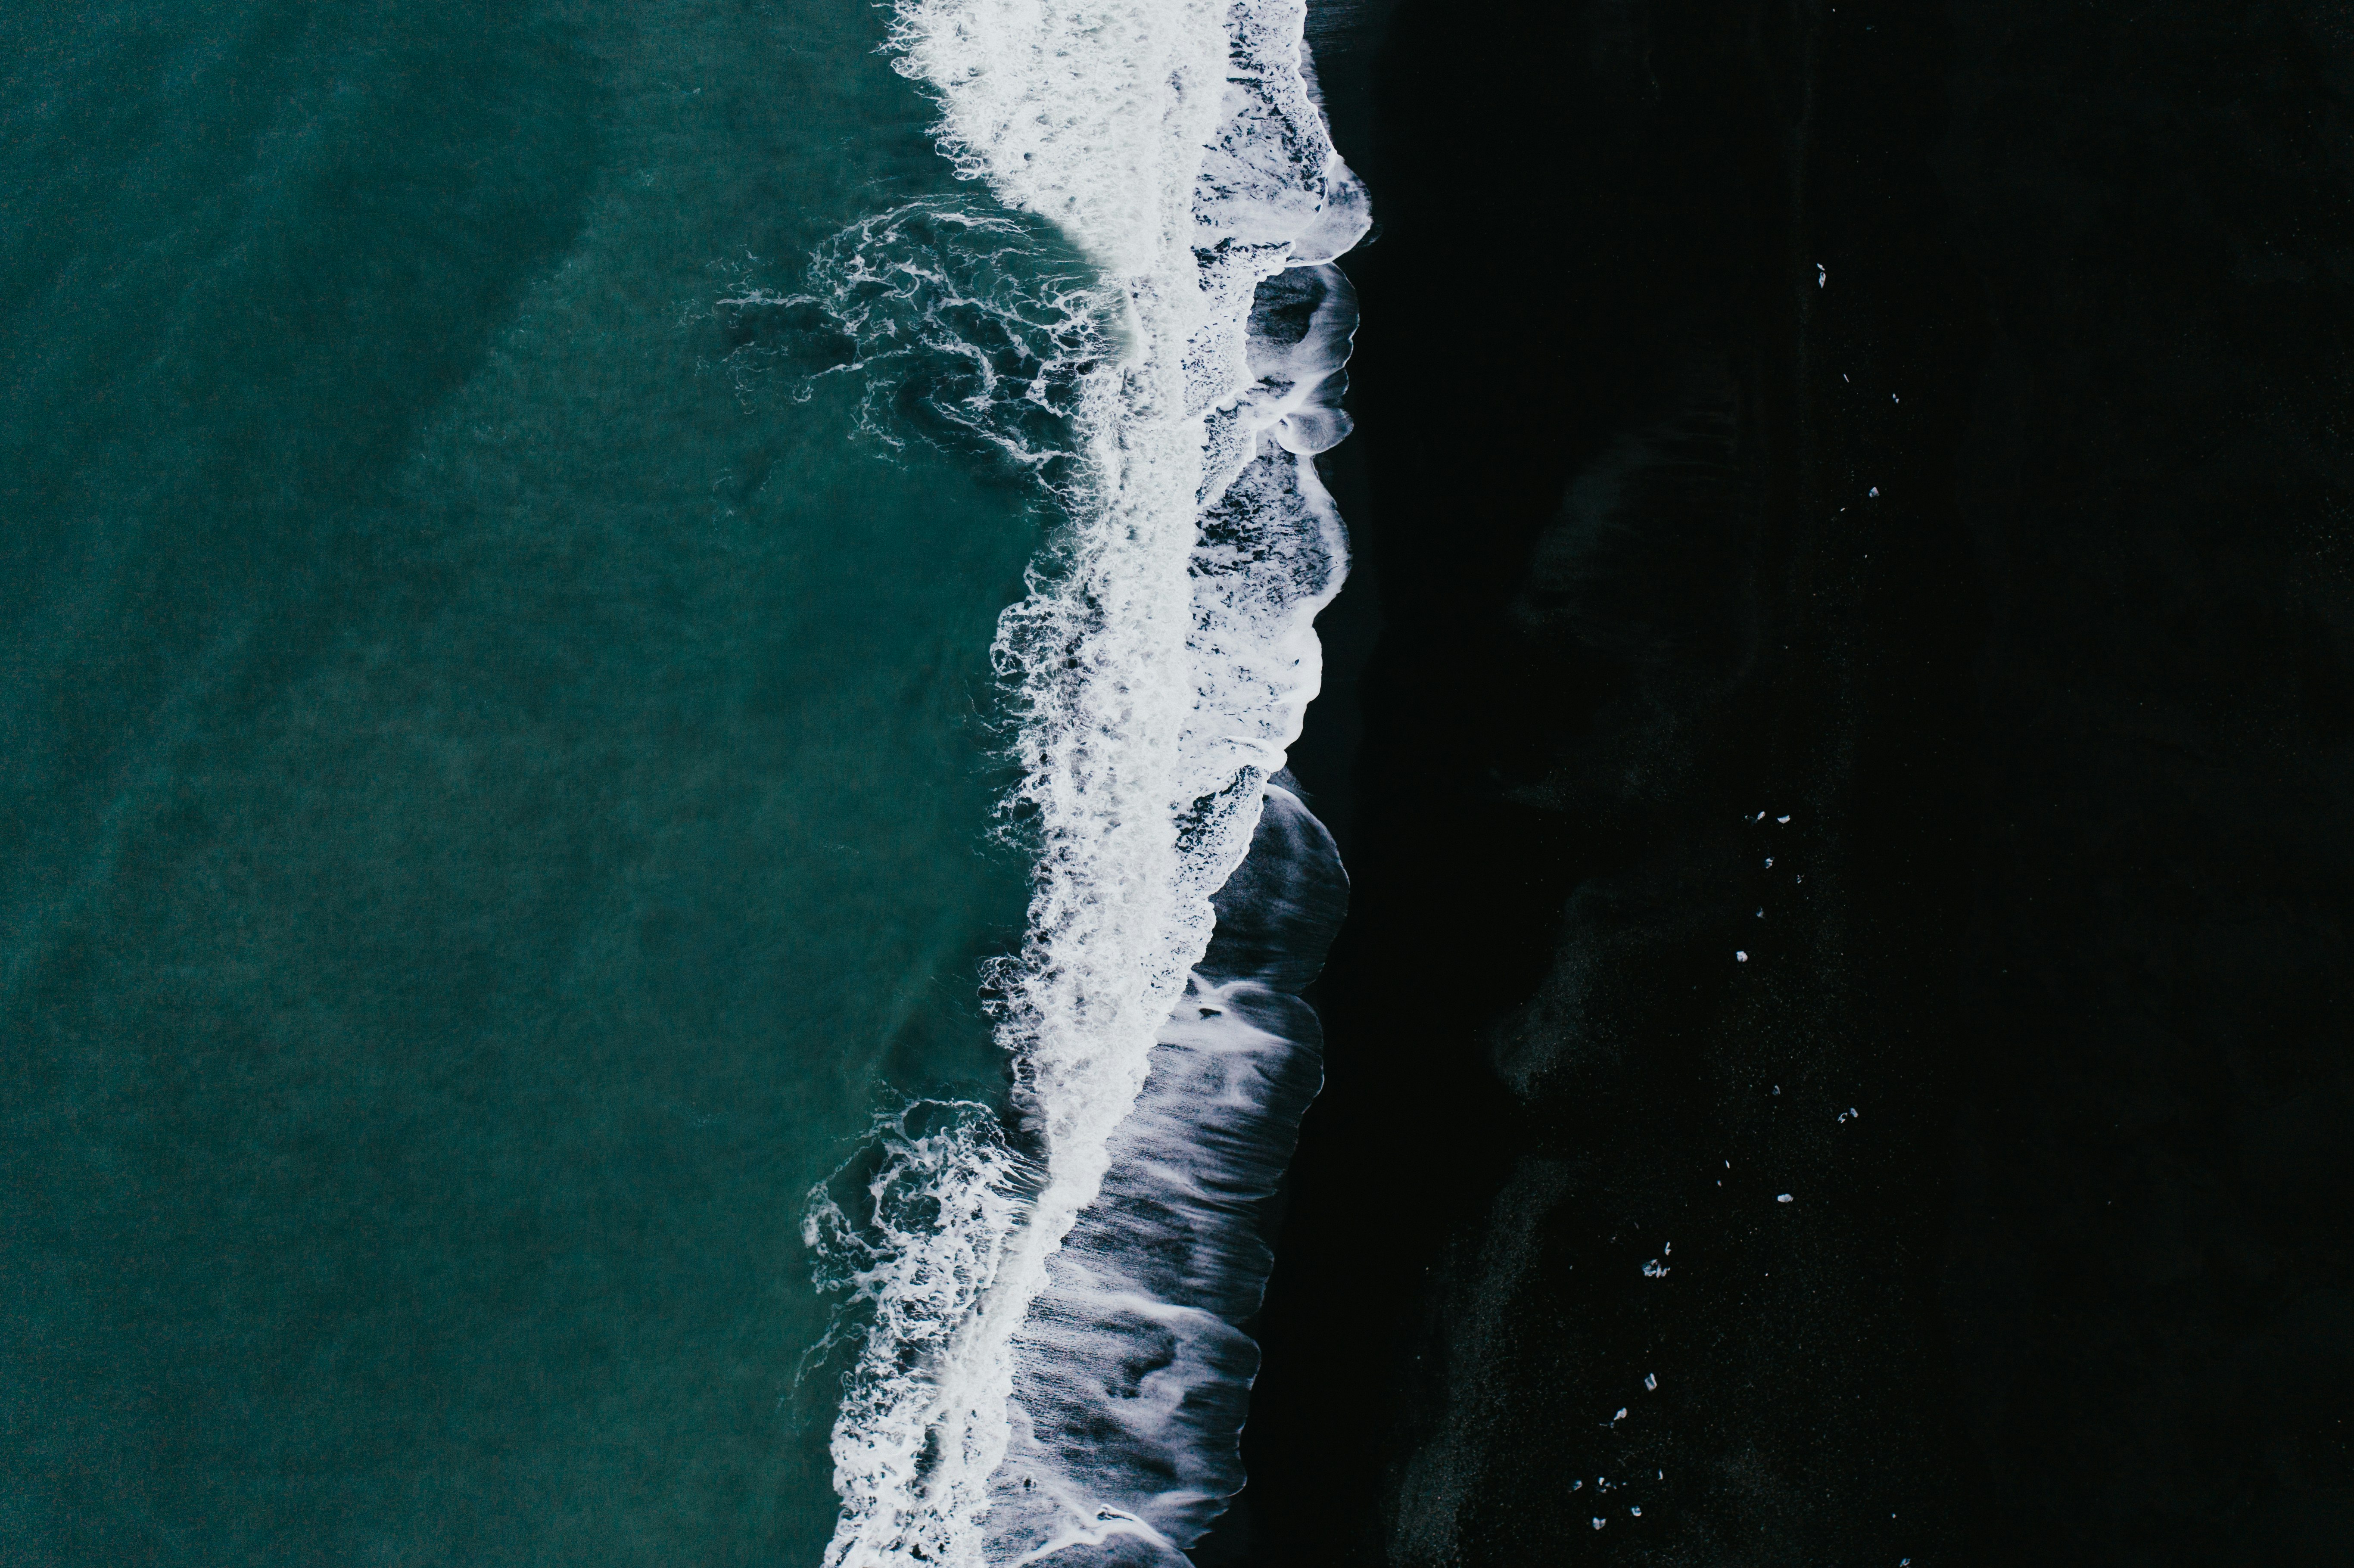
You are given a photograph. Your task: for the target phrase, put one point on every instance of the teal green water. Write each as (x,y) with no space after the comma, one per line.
(485,801)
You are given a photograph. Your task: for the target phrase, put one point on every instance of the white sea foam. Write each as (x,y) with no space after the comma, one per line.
(954,316)
(1161,668)
(1132,1371)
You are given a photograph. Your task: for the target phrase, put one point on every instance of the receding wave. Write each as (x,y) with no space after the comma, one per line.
(1132,1369)
(1048,1302)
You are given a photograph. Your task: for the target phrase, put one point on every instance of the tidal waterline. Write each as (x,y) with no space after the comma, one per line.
(495,787)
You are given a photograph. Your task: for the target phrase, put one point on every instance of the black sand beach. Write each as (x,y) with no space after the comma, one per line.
(2038,1015)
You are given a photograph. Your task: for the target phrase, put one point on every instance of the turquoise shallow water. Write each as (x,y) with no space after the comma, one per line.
(491,792)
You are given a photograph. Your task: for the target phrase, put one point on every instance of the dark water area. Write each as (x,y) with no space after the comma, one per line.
(2037,1015)
(494,792)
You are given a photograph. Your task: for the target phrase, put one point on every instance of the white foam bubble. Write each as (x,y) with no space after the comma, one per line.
(1161,665)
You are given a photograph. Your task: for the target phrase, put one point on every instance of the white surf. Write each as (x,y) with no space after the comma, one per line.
(1032,1382)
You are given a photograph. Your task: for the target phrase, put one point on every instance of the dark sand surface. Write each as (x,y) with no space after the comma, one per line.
(2062,720)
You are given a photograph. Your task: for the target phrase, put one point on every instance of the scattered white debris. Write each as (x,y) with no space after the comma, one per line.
(1783,1199)
(1652,1380)
(1823,279)
(1620,1417)
(1597,1524)
(1739,957)
(1758,818)
(1848,1115)
(1654,1270)
(1636,1511)
(1802,877)
(1669,1248)
(1874,492)
(1894,399)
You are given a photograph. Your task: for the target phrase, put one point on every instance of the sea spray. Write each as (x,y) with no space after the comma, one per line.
(1158,669)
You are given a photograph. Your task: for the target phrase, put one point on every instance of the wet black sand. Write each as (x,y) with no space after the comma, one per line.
(2063,723)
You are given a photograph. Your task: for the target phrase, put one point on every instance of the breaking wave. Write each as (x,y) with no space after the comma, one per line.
(1050,1362)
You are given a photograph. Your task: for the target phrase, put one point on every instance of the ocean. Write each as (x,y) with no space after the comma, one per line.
(638,639)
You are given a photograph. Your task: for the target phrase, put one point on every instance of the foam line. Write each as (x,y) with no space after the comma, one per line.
(1161,664)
